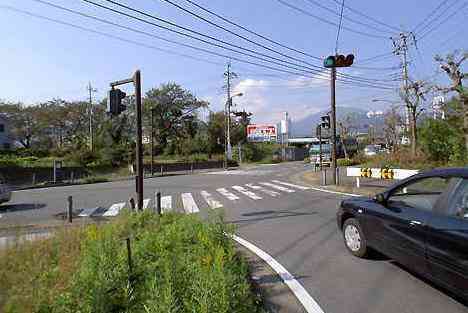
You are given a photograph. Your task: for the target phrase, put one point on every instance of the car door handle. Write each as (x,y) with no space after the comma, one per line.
(414,223)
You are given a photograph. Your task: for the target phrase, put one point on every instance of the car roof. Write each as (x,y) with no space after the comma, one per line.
(452,171)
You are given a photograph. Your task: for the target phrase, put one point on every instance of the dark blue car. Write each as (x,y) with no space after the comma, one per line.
(420,222)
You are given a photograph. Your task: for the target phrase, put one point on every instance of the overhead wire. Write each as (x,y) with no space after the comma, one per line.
(307,13)
(369,17)
(250,31)
(429,16)
(433,28)
(313,68)
(318,4)
(362,84)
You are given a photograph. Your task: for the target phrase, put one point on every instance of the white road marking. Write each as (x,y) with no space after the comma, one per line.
(189,204)
(261,189)
(227,194)
(146,203)
(214,204)
(278,187)
(291,185)
(310,305)
(336,192)
(166,204)
(114,209)
(88,212)
(246,192)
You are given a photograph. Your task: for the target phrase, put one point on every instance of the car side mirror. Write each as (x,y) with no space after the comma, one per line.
(380,198)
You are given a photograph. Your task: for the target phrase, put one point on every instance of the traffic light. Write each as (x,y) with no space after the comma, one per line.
(339,61)
(325,122)
(114,102)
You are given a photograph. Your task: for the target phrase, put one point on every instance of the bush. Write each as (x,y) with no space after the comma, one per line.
(180,264)
(348,162)
(95,180)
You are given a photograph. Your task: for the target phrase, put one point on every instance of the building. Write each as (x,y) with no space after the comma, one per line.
(6,143)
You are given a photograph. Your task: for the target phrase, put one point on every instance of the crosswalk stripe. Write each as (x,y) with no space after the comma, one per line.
(146,203)
(189,203)
(114,209)
(214,204)
(278,187)
(88,212)
(166,204)
(227,194)
(291,185)
(246,192)
(261,189)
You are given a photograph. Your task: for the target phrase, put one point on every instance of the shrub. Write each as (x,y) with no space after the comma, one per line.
(180,264)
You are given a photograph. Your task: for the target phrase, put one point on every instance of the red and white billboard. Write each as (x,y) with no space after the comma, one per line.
(261,132)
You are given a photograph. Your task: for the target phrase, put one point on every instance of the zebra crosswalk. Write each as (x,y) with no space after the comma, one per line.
(187,201)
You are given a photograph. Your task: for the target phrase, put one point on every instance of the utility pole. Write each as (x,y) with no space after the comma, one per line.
(152,141)
(333,123)
(91,90)
(400,48)
(228,113)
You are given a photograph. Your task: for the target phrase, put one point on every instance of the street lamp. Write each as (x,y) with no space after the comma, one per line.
(228,126)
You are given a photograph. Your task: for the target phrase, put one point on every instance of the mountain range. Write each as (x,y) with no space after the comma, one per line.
(350,116)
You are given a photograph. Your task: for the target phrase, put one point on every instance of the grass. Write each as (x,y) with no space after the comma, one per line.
(180,264)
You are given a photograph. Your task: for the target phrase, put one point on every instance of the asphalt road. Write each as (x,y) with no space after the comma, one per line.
(297,228)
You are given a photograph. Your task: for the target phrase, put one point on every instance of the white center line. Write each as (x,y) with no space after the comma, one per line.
(246,192)
(189,204)
(227,194)
(166,203)
(114,209)
(278,187)
(210,200)
(291,185)
(261,189)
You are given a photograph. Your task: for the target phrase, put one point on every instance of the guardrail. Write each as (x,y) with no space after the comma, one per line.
(378,173)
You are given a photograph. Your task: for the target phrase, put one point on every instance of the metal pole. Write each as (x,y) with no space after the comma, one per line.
(152,141)
(333,124)
(320,145)
(158,202)
(70,209)
(139,146)
(91,135)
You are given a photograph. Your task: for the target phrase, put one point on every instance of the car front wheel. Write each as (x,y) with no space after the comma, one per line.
(354,238)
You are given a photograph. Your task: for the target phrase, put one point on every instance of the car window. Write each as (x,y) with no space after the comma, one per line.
(458,205)
(421,194)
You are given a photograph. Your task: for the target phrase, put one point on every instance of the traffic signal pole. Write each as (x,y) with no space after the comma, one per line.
(333,122)
(139,144)
(114,108)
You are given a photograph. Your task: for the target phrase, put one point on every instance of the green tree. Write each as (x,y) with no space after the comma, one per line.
(175,115)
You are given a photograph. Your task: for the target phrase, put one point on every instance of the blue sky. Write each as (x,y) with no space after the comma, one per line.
(43,60)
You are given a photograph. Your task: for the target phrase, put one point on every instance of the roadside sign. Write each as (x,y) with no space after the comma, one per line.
(262,133)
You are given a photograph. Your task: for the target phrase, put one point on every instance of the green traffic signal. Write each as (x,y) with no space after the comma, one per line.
(339,61)
(329,62)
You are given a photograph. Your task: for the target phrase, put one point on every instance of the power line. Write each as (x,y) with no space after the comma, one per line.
(430,15)
(250,31)
(380,56)
(438,16)
(307,13)
(313,69)
(110,35)
(231,32)
(339,28)
(369,17)
(460,9)
(316,3)
(360,84)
